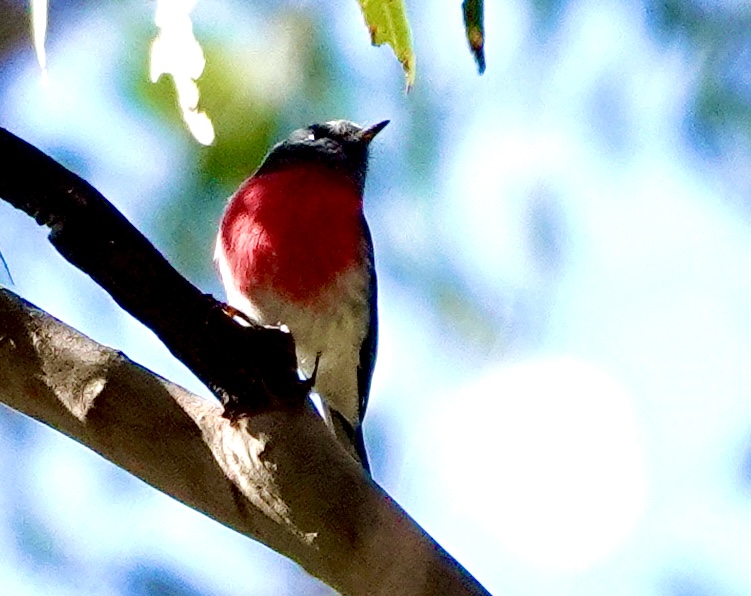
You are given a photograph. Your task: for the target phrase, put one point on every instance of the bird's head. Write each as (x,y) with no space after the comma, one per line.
(338,144)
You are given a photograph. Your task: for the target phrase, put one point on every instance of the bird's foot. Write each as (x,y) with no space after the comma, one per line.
(311,381)
(236,313)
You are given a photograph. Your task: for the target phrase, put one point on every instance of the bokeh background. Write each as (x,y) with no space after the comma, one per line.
(563,392)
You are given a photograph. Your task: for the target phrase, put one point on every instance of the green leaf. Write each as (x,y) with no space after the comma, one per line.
(475,27)
(387,23)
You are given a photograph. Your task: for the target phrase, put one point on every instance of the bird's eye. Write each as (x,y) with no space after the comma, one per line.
(315,132)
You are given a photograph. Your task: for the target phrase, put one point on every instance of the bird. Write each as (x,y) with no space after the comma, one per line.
(294,249)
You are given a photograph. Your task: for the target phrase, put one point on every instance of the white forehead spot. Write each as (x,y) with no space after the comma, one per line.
(342,126)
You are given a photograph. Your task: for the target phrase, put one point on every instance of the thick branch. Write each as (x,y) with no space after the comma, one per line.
(275,475)
(243,366)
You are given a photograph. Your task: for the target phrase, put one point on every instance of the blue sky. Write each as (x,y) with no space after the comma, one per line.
(562,392)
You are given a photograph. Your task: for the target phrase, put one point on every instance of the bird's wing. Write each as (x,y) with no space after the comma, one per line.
(369,346)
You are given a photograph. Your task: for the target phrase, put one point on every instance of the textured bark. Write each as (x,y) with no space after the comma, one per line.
(265,465)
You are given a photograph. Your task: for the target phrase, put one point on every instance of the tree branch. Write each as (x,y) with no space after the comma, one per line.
(275,473)
(246,368)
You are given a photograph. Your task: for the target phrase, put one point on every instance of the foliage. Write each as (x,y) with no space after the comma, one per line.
(387,23)
(475,27)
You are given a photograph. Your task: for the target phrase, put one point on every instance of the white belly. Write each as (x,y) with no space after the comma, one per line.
(335,329)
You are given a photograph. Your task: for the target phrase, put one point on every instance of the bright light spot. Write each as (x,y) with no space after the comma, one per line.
(541,460)
(39,33)
(176,51)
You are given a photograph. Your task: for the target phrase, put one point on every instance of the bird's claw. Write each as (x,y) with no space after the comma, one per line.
(236,313)
(310,382)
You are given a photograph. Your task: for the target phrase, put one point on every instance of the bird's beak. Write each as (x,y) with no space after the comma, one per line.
(369,133)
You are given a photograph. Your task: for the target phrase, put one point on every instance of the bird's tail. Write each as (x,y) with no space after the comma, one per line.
(352,439)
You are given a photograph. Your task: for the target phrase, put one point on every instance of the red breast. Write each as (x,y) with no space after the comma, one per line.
(293,231)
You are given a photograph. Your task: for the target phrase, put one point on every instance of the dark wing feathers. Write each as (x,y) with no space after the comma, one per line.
(370,344)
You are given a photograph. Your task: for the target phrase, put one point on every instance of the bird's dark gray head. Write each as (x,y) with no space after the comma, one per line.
(338,144)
